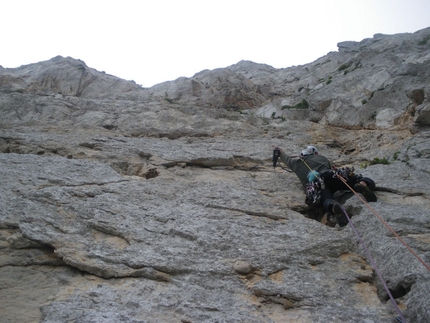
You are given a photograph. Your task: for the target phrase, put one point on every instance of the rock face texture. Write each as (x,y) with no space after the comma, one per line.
(128,204)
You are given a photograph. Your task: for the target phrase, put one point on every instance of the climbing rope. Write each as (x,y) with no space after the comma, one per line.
(400,318)
(314,173)
(379,217)
(385,223)
(372,262)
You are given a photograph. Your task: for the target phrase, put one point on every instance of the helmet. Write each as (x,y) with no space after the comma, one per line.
(309,150)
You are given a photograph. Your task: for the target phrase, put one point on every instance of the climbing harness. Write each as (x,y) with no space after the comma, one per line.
(343,173)
(316,182)
(313,197)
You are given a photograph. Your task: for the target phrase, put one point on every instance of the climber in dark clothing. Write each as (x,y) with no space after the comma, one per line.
(321,181)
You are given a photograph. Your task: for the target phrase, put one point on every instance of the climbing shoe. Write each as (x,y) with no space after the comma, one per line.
(366,191)
(339,214)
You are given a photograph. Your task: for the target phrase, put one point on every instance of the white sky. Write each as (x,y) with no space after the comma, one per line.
(152,41)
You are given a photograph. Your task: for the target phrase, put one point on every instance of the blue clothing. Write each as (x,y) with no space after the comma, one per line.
(298,166)
(303,167)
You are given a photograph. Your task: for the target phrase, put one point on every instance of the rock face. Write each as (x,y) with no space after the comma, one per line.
(129,204)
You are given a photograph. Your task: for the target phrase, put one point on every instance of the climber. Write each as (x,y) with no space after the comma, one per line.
(321,181)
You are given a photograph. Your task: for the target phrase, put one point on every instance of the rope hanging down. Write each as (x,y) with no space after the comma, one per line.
(372,262)
(401,317)
(386,224)
(380,219)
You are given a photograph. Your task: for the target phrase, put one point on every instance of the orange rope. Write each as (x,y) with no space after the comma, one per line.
(385,223)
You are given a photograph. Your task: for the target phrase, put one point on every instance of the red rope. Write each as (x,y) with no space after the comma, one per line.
(385,223)
(402,318)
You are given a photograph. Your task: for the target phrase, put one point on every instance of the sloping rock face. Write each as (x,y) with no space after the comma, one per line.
(129,204)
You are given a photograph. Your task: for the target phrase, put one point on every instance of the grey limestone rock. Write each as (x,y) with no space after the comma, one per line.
(125,204)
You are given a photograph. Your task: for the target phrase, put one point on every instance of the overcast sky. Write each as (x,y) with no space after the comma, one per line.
(152,41)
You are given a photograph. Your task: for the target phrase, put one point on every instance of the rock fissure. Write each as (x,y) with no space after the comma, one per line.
(394,191)
(248,212)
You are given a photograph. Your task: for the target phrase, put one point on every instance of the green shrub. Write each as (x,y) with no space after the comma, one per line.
(376,160)
(424,41)
(364,164)
(302,105)
(343,67)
